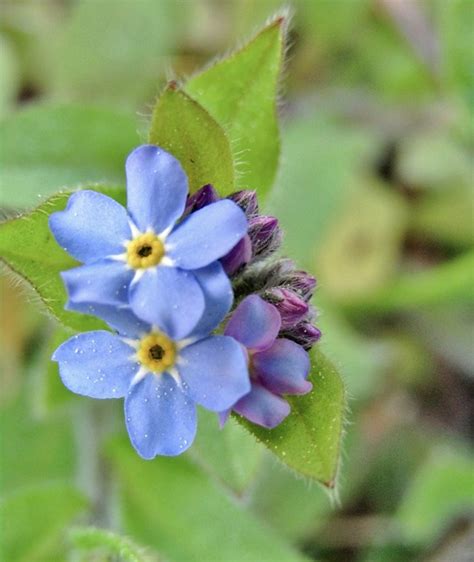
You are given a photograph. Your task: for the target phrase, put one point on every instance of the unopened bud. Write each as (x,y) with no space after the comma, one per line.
(265,235)
(292,308)
(247,201)
(304,333)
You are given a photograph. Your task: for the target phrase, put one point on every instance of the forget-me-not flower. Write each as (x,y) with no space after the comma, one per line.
(277,366)
(144,255)
(162,376)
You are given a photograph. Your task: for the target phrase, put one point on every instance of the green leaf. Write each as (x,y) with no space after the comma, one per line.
(32,521)
(309,440)
(28,249)
(240,91)
(442,490)
(448,283)
(187,517)
(183,127)
(45,148)
(230,455)
(93,540)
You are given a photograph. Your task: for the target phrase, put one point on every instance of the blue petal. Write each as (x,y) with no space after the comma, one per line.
(93,226)
(262,407)
(218,297)
(170,298)
(121,319)
(156,188)
(283,368)
(255,323)
(160,418)
(207,235)
(104,282)
(214,372)
(96,364)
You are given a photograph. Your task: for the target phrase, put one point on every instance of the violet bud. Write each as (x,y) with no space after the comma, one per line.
(301,283)
(247,201)
(238,257)
(304,333)
(265,235)
(201,198)
(292,308)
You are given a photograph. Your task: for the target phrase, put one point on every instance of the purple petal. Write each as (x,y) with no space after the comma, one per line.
(218,297)
(262,407)
(206,235)
(170,298)
(283,368)
(96,364)
(255,323)
(240,255)
(156,188)
(214,371)
(105,282)
(291,307)
(121,319)
(201,198)
(78,230)
(160,418)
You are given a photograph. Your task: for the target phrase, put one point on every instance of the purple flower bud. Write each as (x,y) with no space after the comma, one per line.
(301,283)
(291,307)
(247,201)
(238,257)
(265,235)
(304,333)
(201,198)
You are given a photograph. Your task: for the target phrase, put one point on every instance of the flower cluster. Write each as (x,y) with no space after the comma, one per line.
(164,274)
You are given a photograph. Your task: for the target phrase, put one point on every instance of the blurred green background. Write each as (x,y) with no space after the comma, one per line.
(375,192)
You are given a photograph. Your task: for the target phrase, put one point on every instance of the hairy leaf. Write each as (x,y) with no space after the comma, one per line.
(240,92)
(309,439)
(183,127)
(28,248)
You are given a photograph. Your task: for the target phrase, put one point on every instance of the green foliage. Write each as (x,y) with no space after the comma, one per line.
(229,455)
(308,441)
(172,506)
(309,143)
(47,147)
(442,490)
(113,55)
(34,450)
(28,249)
(240,92)
(91,541)
(183,127)
(33,520)
(448,283)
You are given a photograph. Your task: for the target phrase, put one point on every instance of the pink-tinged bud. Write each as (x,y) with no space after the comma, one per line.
(292,308)
(265,235)
(301,283)
(201,198)
(304,333)
(247,201)
(238,257)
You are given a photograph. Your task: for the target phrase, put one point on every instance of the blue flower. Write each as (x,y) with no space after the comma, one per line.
(143,255)
(161,376)
(277,366)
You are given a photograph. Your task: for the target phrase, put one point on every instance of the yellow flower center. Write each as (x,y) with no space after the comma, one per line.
(145,251)
(156,352)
